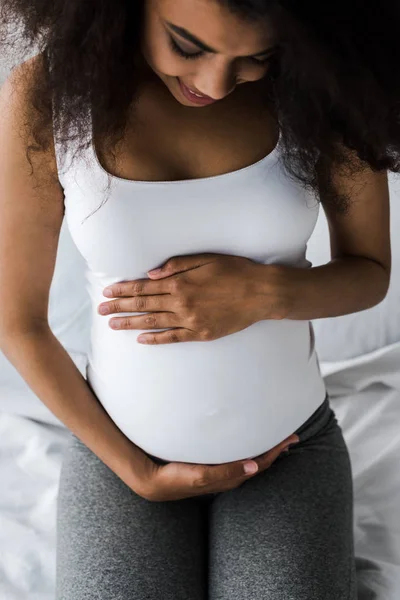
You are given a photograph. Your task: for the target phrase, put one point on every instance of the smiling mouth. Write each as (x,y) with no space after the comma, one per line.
(194,96)
(195,93)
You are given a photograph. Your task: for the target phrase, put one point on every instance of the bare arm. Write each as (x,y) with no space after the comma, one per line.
(31,208)
(358,275)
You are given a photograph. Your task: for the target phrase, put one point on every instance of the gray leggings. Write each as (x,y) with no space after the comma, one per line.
(285,534)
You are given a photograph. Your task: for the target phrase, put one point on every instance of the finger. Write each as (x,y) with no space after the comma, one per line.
(265,460)
(137,287)
(179,264)
(206,476)
(157,320)
(138,304)
(172,336)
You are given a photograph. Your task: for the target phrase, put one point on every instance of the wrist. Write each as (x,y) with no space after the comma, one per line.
(273,291)
(134,469)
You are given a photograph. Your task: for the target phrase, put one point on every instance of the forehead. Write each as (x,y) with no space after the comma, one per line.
(214,24)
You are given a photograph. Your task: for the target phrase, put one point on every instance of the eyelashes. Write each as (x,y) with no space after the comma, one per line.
(193,55)
(178,50)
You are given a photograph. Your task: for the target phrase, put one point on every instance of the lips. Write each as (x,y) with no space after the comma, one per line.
(194,96)
(197,93)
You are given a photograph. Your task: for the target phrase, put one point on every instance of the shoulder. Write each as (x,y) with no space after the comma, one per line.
(16,91)
(18,114)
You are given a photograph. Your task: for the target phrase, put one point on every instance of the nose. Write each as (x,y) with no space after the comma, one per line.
(216,81)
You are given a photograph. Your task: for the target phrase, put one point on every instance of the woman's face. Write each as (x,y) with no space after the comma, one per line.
(199,46)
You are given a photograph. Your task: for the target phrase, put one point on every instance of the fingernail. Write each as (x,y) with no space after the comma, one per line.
(107,292)
(250,468)
(294,441)
(286,448)
(154,271)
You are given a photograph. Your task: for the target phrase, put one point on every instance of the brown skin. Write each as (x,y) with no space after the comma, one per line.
(230,134)
(208,296)
(212,74)
(180,480)
(170,138)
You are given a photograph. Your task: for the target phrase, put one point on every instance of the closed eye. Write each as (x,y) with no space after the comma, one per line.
(260,61)
(184,54)
(197,54)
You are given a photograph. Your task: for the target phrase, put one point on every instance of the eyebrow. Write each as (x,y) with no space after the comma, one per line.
(194,40)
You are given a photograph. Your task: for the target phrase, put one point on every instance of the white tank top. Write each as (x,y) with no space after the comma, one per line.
(208,401)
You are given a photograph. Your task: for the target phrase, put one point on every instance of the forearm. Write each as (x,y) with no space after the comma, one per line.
(50,372)
(340,287)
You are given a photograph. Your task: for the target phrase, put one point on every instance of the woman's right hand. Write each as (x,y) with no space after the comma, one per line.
(176,480)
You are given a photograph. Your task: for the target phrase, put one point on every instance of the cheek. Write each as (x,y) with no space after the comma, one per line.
(254,74)
(167,65)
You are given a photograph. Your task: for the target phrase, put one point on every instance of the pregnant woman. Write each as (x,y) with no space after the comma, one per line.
(189,144)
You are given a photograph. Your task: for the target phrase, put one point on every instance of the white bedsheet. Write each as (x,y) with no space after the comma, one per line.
(30,455)
(365,393)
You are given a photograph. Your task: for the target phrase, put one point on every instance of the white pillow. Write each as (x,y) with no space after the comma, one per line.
(353,335)
(69,318)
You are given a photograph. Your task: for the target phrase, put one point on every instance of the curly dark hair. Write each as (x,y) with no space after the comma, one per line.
(334,83)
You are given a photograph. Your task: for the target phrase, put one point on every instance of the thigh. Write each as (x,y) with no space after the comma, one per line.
(287,533)
(112,543)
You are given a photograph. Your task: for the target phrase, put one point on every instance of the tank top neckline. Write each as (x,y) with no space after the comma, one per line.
(176,182)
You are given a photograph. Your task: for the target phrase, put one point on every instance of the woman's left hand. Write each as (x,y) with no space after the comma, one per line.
(200,297)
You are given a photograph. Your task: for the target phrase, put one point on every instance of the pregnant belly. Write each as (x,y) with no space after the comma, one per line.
(208,402)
